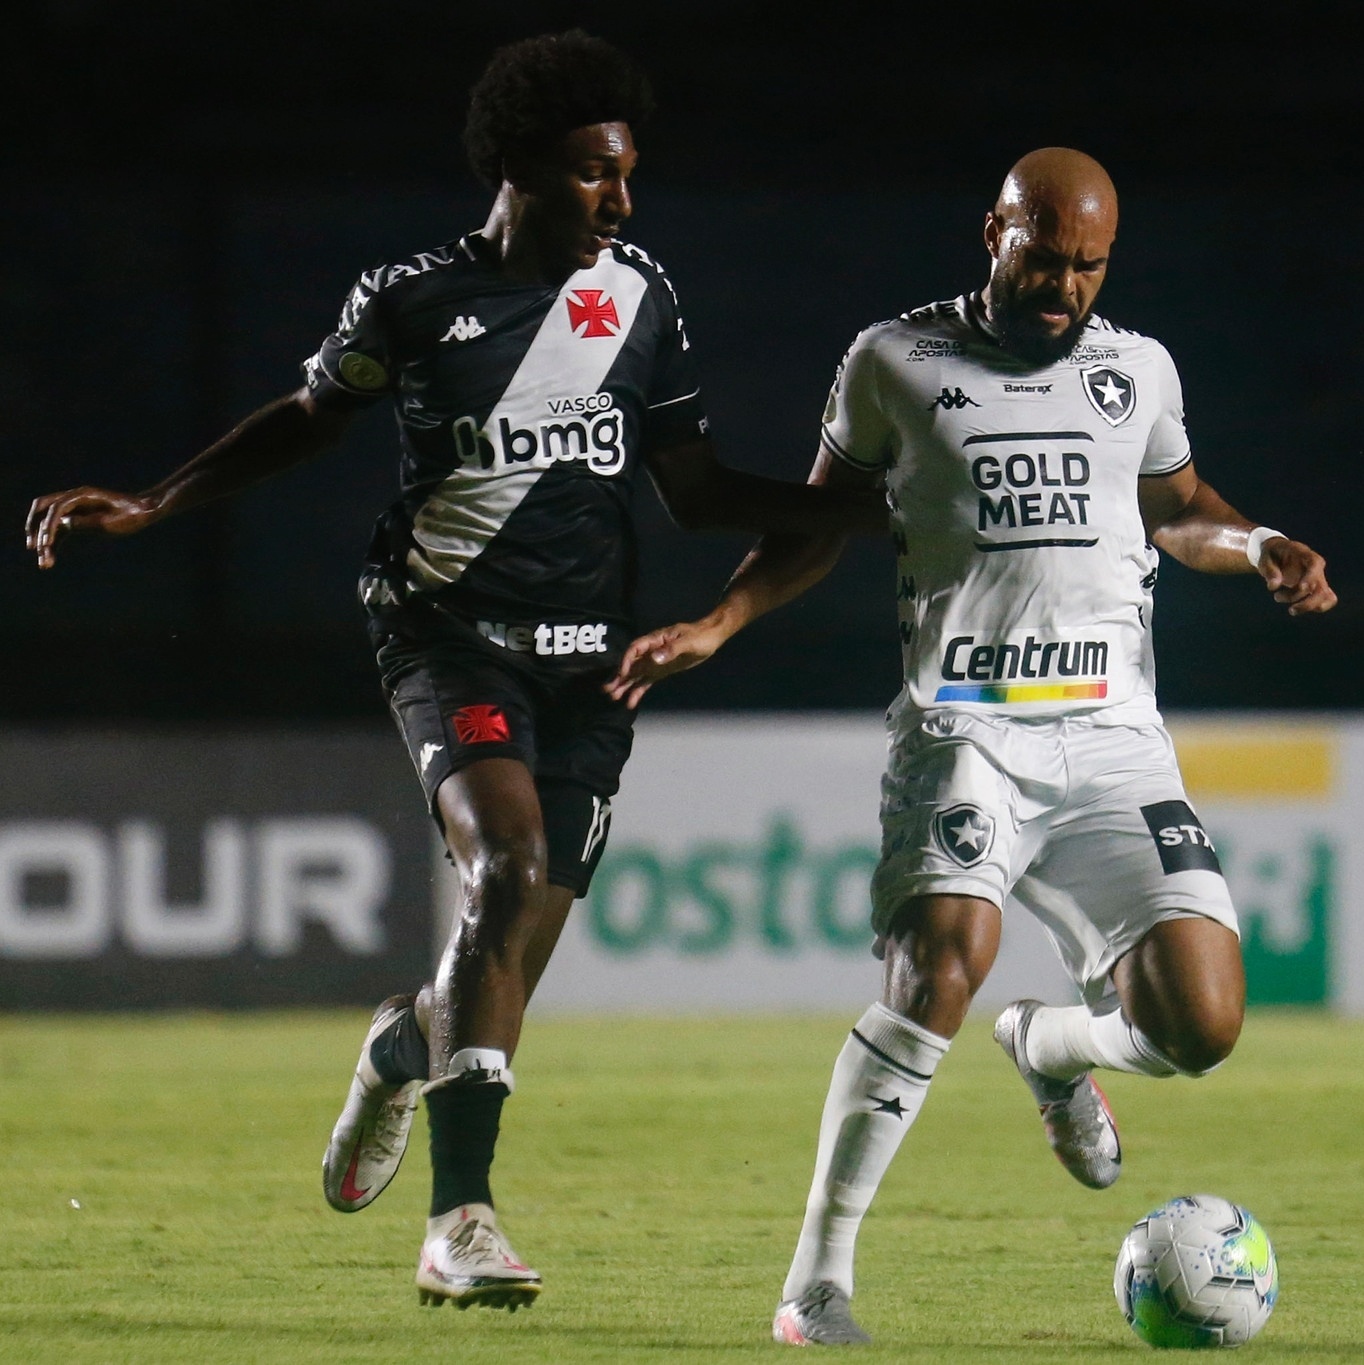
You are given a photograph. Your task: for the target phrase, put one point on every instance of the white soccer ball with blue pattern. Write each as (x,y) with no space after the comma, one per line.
(1198,1271)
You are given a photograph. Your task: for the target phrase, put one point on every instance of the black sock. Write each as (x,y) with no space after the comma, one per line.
(399,1054)
(463,1120)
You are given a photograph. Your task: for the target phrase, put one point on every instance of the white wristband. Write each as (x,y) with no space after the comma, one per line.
(1255,542)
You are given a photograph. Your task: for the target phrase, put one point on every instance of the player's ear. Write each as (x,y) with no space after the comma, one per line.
(992,234)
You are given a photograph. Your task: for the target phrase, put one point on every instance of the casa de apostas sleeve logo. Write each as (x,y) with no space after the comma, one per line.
(1112,394)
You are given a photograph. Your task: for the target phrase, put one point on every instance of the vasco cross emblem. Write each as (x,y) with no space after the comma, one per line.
(1112,394)
(598,311)
(965,833)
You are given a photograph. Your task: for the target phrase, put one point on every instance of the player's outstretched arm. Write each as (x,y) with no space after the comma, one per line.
(1188,519)
(701,494)
(780,568)
(282,433)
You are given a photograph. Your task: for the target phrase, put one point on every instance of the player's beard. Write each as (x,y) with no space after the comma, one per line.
(1022,333)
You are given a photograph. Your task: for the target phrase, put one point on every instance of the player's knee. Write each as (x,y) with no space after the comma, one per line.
(953,981)
(508,866)
(932,982)
(1204,1043)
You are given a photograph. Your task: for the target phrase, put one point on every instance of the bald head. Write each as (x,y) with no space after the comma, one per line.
(1058,181)
(1049,234)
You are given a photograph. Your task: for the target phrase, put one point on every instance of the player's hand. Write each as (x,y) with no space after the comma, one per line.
(1296,575)
(82,510)
(659,655)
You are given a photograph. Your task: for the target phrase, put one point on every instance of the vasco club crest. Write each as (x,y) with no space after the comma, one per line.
(1112,394)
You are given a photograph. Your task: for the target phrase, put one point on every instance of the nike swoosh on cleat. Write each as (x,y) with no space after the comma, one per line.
(349,1189)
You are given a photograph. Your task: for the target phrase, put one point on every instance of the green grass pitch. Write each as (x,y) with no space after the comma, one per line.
(162,1200)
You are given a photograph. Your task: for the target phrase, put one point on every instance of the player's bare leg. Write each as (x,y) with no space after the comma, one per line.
(1184,987)
(370,1137)
(1181,996)
(938,953)
(493,828)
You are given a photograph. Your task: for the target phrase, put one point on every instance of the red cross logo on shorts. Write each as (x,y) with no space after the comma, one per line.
(588,306)
(481,725)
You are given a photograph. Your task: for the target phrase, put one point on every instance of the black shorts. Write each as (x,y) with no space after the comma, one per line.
(458,698)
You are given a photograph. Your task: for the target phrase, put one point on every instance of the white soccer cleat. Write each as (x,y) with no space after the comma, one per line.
(467,1260)
(1075,1114)
(822,1316)
(370,1137)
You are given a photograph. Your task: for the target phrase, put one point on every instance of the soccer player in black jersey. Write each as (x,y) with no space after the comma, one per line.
(536,365)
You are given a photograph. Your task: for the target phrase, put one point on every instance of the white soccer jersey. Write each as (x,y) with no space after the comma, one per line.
(1025,576)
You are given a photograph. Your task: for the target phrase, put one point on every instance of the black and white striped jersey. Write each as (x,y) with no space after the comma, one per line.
(523,413)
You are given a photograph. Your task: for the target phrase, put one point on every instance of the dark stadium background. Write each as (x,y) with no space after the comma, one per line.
(190,190)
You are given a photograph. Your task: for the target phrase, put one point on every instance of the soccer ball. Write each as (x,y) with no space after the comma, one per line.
(1198,1271)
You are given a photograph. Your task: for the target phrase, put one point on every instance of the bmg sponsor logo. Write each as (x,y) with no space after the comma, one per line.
(587,429)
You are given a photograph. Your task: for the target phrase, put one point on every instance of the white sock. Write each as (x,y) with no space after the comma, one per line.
(474,1065)
(1066,1041)
(878,1086)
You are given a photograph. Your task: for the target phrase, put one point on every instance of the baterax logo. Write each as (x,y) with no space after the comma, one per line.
(546,639)
(964,658)
(596,438)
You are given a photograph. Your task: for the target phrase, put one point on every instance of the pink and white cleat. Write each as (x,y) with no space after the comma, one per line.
(370,1137)
(822,1316)
(466,1259)
(1075,1114)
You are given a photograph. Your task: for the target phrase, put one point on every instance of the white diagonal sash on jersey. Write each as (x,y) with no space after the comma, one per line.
(469,508)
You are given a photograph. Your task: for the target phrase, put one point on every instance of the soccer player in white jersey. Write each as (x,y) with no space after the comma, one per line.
(1033,455)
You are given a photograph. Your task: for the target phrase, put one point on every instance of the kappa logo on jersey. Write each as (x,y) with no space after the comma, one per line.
(952,398)
(1181,840)
(965,833)
(591,307)
(465,329)
(1112,394)
(481,725)
(429,751)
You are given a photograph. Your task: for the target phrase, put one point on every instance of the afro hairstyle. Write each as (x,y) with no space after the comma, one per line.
(535,91)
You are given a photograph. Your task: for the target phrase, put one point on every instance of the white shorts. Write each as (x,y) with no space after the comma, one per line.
(1084,824)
